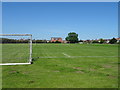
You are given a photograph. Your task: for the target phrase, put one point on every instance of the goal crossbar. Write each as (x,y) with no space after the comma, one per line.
(15,34)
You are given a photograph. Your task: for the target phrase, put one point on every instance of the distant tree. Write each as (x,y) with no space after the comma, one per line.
(88,41)
(40,41)
(113,41)
(33,41)
(72,37)
(81,41)
(95,41)
(101,41)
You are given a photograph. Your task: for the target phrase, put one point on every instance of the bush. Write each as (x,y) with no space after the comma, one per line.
(113,41)
(95,41)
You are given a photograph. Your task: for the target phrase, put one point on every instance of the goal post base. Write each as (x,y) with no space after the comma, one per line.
(15,64)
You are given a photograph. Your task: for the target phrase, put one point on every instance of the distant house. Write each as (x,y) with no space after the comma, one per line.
(47,41)
(64,41)
(54,39)
(107,40)
(80,42)
(118,40)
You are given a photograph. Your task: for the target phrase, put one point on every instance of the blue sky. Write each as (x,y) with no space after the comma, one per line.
(90,20)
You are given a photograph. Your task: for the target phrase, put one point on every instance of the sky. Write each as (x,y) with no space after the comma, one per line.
(90,20)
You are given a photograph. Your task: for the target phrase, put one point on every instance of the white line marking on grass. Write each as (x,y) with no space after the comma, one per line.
(66,55)
(94,56)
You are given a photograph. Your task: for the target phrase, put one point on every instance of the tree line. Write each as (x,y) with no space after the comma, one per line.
(7,40)
(71,38)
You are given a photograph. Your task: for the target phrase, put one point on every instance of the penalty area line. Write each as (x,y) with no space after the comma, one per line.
(66,55)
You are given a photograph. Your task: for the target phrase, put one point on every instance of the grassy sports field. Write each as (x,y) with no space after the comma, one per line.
(64,66)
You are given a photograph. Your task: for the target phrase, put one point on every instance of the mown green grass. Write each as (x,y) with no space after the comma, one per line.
(52,69)
(15,53)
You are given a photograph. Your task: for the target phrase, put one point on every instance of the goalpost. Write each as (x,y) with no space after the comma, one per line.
(16,49)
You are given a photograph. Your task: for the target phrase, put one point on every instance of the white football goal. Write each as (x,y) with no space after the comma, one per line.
(16,49)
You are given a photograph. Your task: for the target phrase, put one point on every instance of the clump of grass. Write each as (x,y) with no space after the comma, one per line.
(31,81)
(78,68)
(67,69)
(14,72)
(56,71)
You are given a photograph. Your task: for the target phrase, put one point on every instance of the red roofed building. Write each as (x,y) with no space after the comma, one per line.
(117,38)
(54,39)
